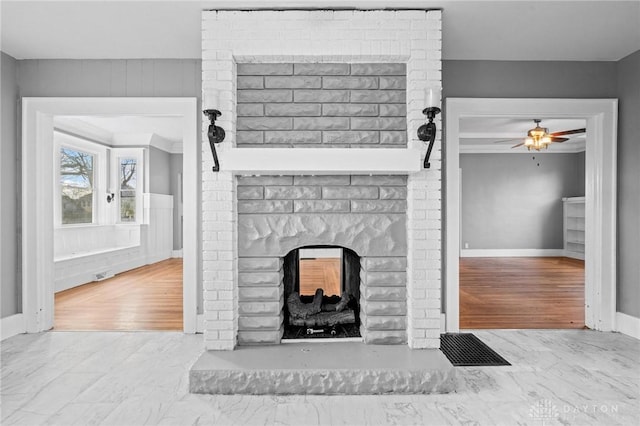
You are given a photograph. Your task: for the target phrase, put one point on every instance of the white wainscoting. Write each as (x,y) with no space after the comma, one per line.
(158,215)
(80,270)
(626,324)
(512,253)
(12,325)
(73,241)
(84,252)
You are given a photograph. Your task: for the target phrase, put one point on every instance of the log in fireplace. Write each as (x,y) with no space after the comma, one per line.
(322,293)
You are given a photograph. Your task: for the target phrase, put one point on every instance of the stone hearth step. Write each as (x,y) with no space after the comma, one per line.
(322,368)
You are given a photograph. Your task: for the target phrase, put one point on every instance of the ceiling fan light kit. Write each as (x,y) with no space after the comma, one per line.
(539,137)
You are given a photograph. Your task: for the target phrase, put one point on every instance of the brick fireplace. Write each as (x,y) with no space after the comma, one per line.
(302,92)
(367,214)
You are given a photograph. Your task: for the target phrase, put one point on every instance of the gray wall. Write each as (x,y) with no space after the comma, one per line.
(528,79)
(159,171)
(176,188)
(629,185)
(84,78)
(9,290)
(513,201)
(556,79)
(133,77)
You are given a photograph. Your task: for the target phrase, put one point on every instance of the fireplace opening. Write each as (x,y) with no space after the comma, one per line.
(321,293)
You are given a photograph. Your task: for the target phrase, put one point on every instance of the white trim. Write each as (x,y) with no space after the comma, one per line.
(177,254)
(323,4)
(600,188)
(626,324)
(11,326)
(37,198)
(200,323)
(128,263)
(443,323)
(512,253)
(573,147)
(573,255)
(320,161)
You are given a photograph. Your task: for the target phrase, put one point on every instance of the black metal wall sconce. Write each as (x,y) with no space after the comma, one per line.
(427,132)
(215,134)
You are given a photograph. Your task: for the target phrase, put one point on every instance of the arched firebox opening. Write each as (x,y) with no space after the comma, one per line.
(321,293)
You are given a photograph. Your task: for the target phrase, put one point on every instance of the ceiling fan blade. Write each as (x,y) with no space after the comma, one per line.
(507,140)
(515,146)
(558,140)
(568,132)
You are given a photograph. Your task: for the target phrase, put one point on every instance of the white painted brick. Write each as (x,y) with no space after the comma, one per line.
(221,326)
(209,297)
(418,343)
(225,295)
(210,315)
(418,333)
(209,333)
(226,315)
(228,335)
(225,275)
(350,36)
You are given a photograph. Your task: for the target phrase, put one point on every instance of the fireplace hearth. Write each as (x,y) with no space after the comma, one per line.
(321,110)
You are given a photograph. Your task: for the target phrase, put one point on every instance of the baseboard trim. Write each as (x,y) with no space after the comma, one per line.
(155,258)
(177,253)
(86,277)
(12,326)
(512,253)
(626,324)
(200,323)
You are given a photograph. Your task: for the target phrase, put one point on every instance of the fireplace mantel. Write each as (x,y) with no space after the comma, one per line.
(321,161)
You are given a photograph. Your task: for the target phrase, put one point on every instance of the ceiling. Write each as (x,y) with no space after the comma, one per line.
(167,127)
(162,132)
(604,30)
(479,134)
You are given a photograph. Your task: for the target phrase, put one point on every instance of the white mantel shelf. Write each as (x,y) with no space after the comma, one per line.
(319,161)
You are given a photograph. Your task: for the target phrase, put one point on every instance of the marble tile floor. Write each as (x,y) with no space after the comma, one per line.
(558,377)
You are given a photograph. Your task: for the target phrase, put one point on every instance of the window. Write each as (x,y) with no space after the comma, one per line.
(128,179)
(95,184)
(77,186)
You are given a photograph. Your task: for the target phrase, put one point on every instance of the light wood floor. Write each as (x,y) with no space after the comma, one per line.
(525,292)
(146,298)
(320,273)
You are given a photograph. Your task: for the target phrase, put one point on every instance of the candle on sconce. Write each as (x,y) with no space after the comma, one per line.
(210,101)
(433,97)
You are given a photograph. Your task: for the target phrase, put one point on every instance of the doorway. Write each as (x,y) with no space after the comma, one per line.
(39,200)
(514,270)
(117,222)
(600,159)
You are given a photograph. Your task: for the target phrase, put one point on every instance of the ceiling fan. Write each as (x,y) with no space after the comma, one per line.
(539,137)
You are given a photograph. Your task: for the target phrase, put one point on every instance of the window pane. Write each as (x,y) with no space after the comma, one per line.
(76,180)
(128,183)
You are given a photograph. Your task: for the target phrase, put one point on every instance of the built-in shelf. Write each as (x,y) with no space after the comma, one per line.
(573,208)
(318,161)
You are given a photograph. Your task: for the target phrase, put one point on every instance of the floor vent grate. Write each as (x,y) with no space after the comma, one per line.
(465,350)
